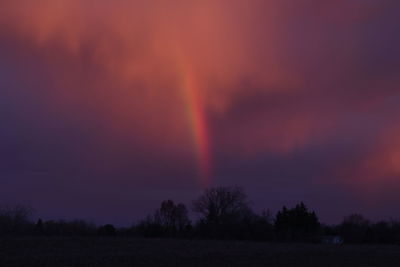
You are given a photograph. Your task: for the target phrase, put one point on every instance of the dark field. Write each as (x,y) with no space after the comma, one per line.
(147,252)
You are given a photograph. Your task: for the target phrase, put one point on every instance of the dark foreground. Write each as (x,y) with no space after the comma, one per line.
(138,252)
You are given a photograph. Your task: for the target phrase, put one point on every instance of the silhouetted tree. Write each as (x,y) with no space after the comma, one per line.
(225,213)
(173,218)
(149,227)
(296,224)
(107,230)
(182,221)
(221,204)
(15,220)
(262,227)
(65,228)
(251,226)
(39,229)
(382,232)
(354,228)
(170,220)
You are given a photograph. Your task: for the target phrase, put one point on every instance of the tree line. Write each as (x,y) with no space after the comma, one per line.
(224,213)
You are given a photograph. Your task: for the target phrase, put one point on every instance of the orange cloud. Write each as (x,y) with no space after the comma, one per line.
(384,160)
(140,41)
(138,56)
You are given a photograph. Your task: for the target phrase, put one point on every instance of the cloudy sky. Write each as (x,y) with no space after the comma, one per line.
(109,107)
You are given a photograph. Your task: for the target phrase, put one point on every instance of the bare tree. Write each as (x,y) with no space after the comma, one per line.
(165,214)
(14,220)
(219,204)
(172,216)
(182,218)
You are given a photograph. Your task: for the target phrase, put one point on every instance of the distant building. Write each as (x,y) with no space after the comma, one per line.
(332,239)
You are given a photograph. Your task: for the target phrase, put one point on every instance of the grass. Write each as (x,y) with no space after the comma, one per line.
(100,252)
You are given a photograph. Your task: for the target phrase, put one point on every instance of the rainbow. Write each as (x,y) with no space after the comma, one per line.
(195,108)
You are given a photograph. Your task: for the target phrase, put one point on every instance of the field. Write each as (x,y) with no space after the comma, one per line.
(155,252)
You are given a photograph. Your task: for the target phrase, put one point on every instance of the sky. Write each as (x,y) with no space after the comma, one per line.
(109,107)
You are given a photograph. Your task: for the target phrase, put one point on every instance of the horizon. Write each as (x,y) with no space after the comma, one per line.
(193,216)
(109,108)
